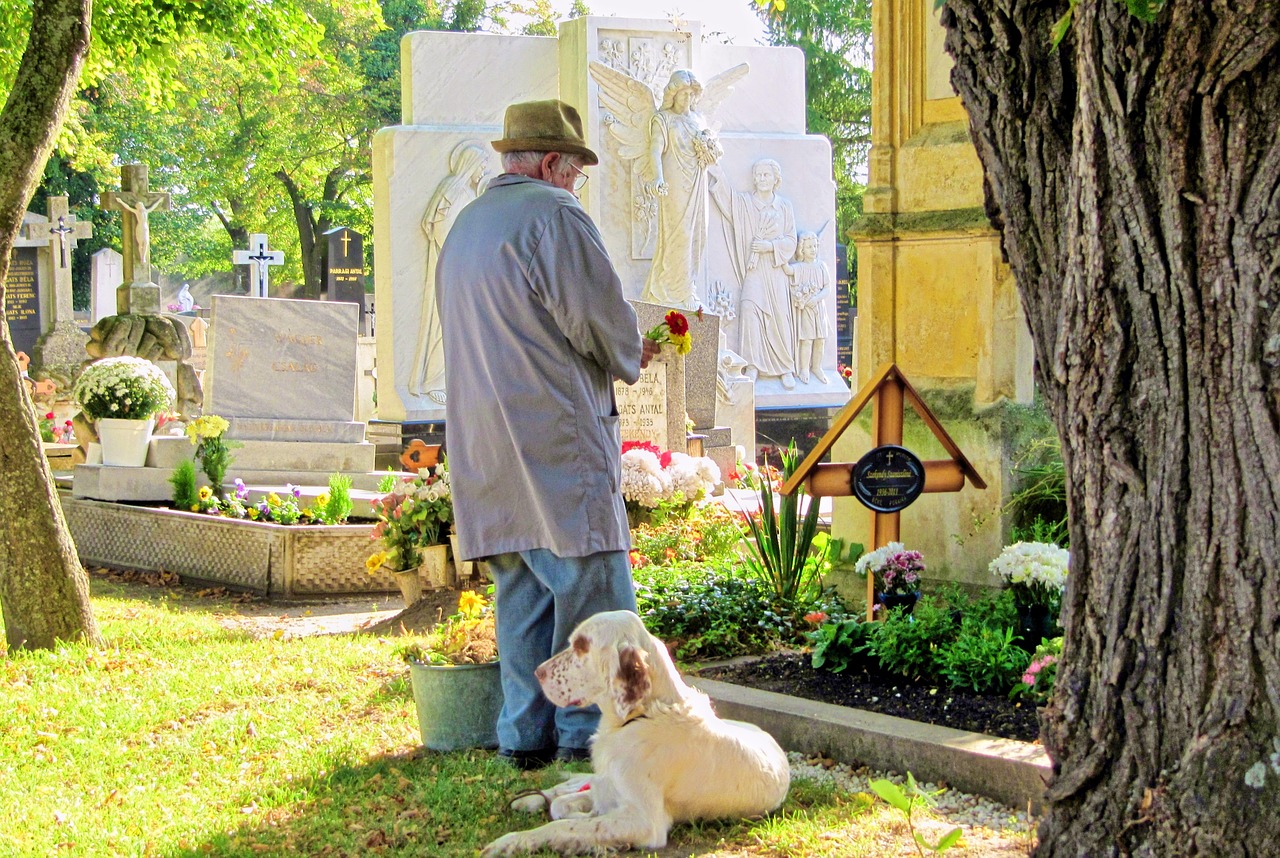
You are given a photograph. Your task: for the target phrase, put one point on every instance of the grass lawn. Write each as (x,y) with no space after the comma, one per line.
(183,738)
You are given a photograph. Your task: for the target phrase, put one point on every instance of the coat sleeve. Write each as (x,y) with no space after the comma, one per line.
(572,275)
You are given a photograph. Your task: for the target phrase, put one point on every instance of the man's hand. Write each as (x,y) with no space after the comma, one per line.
(649,350)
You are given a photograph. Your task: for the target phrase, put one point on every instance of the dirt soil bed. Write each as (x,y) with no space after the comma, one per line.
(790,673)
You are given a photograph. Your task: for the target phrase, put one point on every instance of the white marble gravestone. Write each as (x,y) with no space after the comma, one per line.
(106,276)
(456,88)
(283,370)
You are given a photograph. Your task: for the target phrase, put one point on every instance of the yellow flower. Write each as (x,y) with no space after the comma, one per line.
(205,493)
(374,562)
(195,507)
(471,603)
(273,499)
(683,343)
(322,499)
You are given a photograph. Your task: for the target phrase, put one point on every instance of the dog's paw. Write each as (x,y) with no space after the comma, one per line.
(507,844)
(530,801)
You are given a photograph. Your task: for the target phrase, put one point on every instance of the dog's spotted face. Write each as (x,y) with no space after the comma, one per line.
(600,666)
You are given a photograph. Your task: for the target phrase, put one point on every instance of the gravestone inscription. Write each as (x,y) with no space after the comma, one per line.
(22,299)
(280,358)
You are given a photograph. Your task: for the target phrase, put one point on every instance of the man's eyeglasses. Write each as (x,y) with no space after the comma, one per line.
(578,180)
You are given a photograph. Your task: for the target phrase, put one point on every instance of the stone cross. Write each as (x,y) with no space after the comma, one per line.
(260,258)
(136,201)
(62,230)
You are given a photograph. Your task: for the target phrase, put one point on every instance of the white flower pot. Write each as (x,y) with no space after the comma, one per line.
(125,442)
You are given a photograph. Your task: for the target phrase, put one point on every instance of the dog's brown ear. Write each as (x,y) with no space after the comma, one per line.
(631,680)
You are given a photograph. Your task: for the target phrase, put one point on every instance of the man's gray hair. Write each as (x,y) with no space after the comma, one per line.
(525,163)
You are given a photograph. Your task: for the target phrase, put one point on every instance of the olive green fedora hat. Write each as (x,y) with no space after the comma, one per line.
(544,126)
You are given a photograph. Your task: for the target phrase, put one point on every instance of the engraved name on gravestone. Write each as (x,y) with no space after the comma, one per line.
(22,299)
(653,409)
(642,407)
(281,358)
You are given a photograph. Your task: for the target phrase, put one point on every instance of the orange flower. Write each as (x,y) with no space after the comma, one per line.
(815,617)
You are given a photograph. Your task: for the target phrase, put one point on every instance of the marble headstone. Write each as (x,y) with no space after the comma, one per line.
(22,299)
(106,276)
(283,369)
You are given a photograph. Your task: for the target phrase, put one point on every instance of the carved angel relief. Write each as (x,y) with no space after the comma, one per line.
(670,145)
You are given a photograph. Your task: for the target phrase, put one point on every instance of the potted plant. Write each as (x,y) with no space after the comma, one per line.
(1036,572)
(897,575)
(123,395)
(457,685)
(414,515)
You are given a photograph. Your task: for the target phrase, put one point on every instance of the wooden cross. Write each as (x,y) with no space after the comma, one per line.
(64,230)
(888,388)
(136,201)
(260,258)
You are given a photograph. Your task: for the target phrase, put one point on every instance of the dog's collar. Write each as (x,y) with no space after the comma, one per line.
(633,719)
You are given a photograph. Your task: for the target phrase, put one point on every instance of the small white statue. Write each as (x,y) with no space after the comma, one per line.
(810,284)
(185,302)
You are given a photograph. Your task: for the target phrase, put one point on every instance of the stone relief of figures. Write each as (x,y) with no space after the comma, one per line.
(674,146)
(810,285)
(470,168)
(760,230)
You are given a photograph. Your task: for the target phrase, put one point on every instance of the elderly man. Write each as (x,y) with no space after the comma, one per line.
(535,330)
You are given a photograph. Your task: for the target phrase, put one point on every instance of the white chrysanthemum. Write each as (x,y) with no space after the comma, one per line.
(1040,564)
(643,479)
(873,560)
(692,476)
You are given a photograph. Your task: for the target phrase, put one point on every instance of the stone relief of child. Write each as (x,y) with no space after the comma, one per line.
(810,283)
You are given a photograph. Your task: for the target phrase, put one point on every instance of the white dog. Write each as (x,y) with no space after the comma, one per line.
(660,756)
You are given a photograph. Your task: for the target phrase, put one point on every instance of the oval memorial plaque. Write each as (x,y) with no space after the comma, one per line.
(888,478)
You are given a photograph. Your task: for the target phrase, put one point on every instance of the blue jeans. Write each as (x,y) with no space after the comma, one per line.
(540,599)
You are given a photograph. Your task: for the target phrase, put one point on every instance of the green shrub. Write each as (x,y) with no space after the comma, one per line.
(906,644)
(719,616)
(838,646)
(334,506)
(183,480)
(982,659)
(708,611)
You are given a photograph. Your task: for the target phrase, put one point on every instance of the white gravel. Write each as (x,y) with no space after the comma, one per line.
(951,805)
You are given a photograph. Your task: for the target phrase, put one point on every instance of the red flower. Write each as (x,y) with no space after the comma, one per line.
(677,323)
(815,617)
(665,459)
(49,416)
(642,445)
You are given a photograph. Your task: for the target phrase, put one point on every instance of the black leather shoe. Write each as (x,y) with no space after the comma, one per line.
(572,755)
(527,760)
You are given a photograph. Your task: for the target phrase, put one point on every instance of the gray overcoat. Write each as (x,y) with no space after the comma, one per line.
(535,330)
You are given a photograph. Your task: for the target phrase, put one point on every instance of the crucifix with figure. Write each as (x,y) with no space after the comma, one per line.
(136,201)
(61,232)
(260,259)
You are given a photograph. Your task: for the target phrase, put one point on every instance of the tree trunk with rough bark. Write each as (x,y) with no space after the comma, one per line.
(1135,177)
(44,593)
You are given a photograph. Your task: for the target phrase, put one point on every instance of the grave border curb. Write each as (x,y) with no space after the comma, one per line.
(1014,773)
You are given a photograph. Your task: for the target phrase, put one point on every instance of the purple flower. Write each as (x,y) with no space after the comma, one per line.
(296,491)
(242,491)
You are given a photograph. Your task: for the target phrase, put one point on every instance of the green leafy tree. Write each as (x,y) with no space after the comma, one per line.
(835,36)
(44,48)
(1133,173)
